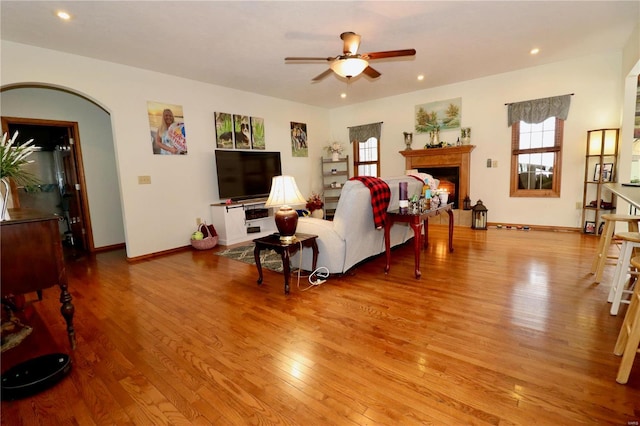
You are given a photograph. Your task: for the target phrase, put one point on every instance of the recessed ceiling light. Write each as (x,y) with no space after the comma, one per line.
(420,77)
(343,95)
(63,15)
(534,51)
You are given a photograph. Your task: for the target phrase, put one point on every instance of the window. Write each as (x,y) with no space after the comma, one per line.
(366,158)
(536,154)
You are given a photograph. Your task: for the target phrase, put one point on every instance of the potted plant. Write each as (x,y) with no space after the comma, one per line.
(334,149)
(314,205)
(12,162)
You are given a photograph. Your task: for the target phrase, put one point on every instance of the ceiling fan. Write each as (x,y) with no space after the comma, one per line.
(350,63)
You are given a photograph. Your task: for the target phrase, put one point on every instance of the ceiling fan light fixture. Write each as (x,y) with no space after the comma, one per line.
(349,67)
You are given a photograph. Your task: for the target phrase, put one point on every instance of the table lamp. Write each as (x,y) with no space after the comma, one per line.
(284,192)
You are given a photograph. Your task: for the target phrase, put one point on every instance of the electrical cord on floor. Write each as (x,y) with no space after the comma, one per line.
(316,278)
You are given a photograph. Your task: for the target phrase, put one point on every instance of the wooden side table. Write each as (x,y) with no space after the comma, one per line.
(416,220)
(285,250)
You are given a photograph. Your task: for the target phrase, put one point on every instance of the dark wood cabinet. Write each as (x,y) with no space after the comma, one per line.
(32,258)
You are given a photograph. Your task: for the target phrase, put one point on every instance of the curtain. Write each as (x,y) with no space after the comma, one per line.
(364,132)
(538,110)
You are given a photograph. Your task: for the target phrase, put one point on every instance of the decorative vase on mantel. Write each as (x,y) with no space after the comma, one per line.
(335,156)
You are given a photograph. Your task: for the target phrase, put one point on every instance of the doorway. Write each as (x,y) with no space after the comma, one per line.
(58,166)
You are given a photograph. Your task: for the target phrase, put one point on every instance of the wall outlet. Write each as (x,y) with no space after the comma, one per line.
(198,221)
(578,205)
(144,180)
(494,163)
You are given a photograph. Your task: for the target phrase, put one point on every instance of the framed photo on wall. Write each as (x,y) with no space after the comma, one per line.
(224,130)
(166,124)
(242,131)
(257,133)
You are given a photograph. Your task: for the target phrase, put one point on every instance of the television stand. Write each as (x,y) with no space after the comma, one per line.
(242,221)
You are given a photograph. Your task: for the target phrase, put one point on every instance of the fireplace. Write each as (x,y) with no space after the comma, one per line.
(449,178)
(443,163)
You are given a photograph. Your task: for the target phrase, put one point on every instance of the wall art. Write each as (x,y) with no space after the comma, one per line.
(166,124)
(299,146)
(241,131)
(438,116)
(257,133)
(224,130)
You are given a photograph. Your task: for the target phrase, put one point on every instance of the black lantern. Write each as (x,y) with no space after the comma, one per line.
(479,216)
(466,204)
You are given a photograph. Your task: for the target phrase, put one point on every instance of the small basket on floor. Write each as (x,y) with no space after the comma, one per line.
(210,239)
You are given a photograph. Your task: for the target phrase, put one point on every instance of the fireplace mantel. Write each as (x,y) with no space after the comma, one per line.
(456,156)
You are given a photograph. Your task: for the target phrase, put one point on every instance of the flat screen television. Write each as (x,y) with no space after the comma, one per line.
(244,175)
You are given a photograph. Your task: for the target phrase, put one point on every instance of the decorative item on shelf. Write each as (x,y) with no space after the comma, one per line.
(284,193)
(479,216)
(408,140)
(434,136)
(466,203)
(334,149)
(315,205)
(13,159)
(465,135)
(444,196)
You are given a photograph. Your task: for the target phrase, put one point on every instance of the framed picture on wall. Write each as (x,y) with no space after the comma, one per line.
(242,131)
(166,123)
(224,130)
(257,133)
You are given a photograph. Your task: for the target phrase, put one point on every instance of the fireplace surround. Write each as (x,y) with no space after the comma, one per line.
(438,158)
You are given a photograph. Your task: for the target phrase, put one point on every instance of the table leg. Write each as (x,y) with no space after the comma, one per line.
(426,232)
(67,310)
(450,213)
(256,257)
(416,225)
(286,269)
(314,248)
(387,243)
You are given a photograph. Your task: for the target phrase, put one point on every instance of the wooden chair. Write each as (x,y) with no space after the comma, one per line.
(620,284)
(629,337)
(607,237)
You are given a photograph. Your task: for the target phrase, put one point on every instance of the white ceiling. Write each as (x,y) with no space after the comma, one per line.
(242,44)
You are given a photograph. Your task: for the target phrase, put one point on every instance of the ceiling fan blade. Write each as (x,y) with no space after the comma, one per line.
(302,58)
(322,75)
(389,54)
(351,43)
(371,72)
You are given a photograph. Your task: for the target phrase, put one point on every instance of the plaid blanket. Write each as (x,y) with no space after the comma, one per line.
(380,196)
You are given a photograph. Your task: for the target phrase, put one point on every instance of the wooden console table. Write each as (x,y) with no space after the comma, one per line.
(416,220)
(285,250)
(32,259)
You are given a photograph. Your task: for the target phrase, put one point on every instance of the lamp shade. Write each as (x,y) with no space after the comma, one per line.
(284,192)
(349,67)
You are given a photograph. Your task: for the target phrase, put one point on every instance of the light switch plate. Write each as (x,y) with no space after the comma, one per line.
(144,180)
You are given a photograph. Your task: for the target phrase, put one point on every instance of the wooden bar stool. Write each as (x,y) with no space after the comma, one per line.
(607,236)
(629,337)
(620,285)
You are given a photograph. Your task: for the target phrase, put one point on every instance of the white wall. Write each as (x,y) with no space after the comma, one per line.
(598,89)
(96,141)
(161,216)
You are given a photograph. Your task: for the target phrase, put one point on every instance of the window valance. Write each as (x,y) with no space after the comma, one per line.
(538,110)
(364,132)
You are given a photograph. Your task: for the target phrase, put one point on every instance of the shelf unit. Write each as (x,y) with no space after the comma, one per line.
(334,176)
(242,221)
(600,167)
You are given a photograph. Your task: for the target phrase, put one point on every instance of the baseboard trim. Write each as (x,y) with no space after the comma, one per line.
(158,254)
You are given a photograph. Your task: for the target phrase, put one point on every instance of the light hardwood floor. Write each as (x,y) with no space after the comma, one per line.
(508,329)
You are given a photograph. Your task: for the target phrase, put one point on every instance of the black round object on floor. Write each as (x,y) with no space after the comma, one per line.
(34,375)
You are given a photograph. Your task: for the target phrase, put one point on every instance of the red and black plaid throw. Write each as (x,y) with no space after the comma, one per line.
(380,196)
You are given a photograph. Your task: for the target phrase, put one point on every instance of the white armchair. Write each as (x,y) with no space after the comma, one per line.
(352,237)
